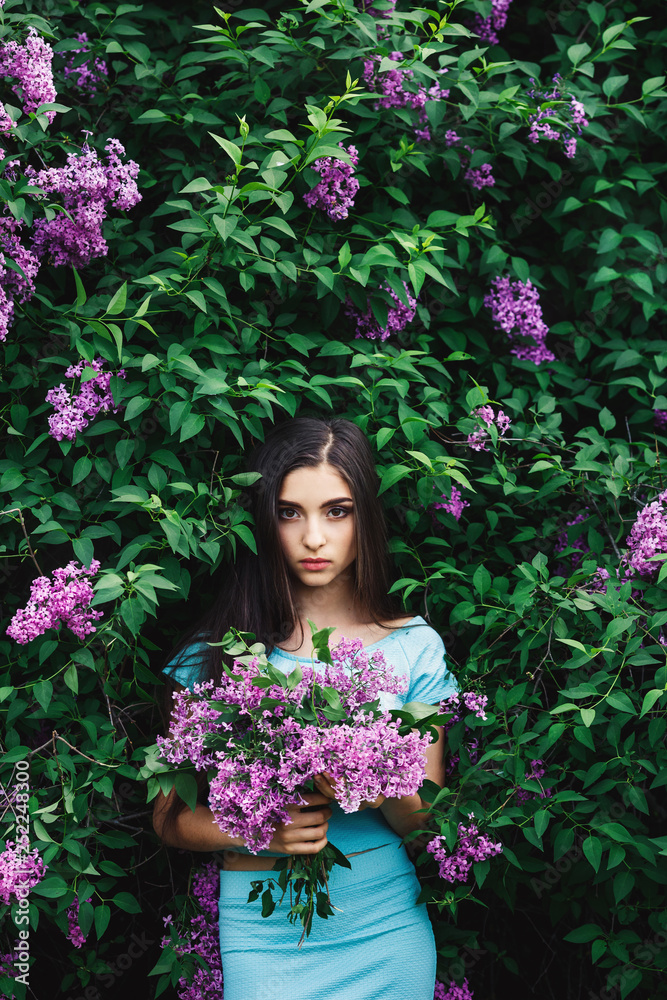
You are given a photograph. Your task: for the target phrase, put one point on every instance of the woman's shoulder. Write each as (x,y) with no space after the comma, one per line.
(415,633)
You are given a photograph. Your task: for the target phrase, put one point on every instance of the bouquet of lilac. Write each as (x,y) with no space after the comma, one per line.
(262,736)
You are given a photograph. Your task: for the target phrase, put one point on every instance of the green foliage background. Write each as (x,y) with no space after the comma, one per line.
(222,299)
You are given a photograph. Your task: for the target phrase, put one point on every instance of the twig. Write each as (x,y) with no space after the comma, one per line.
(215,462)
(17,510)
(56,736)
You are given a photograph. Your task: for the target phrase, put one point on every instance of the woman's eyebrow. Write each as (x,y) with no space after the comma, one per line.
(327,503)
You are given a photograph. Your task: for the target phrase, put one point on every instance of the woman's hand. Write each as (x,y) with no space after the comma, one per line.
(325,783)
(306,834)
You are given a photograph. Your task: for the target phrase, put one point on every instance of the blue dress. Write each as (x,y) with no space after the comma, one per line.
(380,946)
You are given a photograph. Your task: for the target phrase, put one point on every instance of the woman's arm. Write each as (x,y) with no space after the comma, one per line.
(198,831)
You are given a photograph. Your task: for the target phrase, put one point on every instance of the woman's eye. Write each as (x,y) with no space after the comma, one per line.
(287,513)
(340,512)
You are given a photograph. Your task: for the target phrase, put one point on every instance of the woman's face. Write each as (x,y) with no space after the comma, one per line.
(316,524)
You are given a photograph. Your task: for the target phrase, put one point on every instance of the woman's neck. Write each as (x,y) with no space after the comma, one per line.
(333,604)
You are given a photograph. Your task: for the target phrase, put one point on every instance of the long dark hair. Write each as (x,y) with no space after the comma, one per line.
(256,593)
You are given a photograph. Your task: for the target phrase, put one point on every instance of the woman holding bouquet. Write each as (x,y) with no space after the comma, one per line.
(322,556)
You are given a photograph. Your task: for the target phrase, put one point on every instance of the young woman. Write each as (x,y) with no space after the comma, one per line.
(322,556)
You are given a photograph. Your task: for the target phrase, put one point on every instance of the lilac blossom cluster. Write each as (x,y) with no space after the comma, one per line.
(660,420)
(453,991)
(391,86)
(7,968)
(87,186)
(31,65)
(480,436)
(90,74)
(544,123)
(65,600)
(455,705)
(74,932)
(454,504)
(479,177)
(20,871)
(335,193)
(515,309)
(398,316)
(536,773)
(73,412)
(14,287)
(6,122)
(647,538)
(202,937)
(259,762)
(473,846)
(488,27)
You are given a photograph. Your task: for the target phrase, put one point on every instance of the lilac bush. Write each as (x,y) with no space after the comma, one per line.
(515,309)
(391,85)
(89,75)
(453,991)
(65,600)
(30,65)
(20,871)
(473,846)
(74,411)
(647,538)
(200,937)
(480,437)
(335,193)
(454,504)
(488,27)
(562,120)
(398,316)
(14,287)
(88,186)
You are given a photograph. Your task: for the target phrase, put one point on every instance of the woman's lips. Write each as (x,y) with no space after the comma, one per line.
(315,563)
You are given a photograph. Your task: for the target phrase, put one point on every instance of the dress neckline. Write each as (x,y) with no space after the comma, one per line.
(384,638)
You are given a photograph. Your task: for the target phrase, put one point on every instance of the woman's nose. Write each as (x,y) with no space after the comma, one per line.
(313,534)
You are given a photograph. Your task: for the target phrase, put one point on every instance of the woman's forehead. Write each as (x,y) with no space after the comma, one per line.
(314,481)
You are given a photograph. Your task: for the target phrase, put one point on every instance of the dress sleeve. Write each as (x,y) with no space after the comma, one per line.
(185,667)
(430,680)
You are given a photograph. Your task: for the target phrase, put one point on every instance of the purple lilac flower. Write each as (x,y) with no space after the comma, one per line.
(391,86)
(562,542)
(451,138)
(74,932)
(334,194)
(14,287)
(31,65)
(20,871)
(7,966)
(515,309)
(454,504)
(647,538)
(74,412)
(202,937)
(63,601)
(536,773)
(398,316)
(480,177)
(487,27)
(660,420)
(473,846)
(87,186)
(453,991)
(480,436)
(6,122)
(90,74)
(568,109)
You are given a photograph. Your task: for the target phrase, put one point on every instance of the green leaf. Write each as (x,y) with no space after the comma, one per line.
(592,848)
(43,690)
(246,535)
(650,699)
(230,148)
(126,901)
(117,304)
(392,475)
